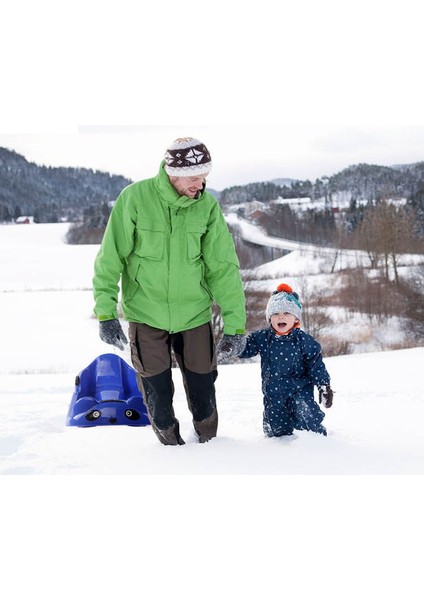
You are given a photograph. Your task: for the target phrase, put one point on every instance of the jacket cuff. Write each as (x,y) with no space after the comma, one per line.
(233,331)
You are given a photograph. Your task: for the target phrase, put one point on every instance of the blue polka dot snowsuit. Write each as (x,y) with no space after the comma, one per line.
(290,366)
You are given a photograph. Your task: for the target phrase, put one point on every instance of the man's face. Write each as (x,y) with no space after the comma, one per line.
(188,186)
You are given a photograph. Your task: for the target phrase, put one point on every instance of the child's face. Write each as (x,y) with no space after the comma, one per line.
(283,322)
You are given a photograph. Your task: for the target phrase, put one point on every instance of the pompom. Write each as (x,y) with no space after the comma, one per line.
(284,287)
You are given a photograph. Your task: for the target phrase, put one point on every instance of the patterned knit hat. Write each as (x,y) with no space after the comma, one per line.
(187,157)
(284,299)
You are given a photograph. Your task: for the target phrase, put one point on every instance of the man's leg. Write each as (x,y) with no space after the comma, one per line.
(151,358)
(194,350)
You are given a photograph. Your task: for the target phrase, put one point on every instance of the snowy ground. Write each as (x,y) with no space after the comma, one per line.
(375,426)
(50,335)
(285,489)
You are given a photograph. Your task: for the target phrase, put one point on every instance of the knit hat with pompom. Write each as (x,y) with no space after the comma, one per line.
(284,299)
(187,157)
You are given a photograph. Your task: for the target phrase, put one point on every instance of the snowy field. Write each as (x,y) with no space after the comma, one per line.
(266,496)
(375,427)
(50,335)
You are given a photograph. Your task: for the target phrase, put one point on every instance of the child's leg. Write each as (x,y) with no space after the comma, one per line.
(277,419)
(307,414)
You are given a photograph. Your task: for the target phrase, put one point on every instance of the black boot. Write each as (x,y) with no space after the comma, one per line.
(206,429)
(170,436)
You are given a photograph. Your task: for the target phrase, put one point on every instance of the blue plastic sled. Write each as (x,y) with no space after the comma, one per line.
(106,393)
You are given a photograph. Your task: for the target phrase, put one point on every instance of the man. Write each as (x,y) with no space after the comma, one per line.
(168,243)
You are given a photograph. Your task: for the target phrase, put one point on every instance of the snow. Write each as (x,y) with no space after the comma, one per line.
(346,258)
(368,433)
(50,335)
(264,492)
(314,271)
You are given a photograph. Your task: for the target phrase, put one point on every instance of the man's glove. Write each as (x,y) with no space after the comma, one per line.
(326,394)
(231,345)
(111,333)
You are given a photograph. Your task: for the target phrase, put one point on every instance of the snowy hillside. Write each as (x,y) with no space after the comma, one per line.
(315,271)
(347,258)
(49,335)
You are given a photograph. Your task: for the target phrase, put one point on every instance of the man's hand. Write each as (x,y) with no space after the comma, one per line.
(111,333)
(231,345)
(326,394)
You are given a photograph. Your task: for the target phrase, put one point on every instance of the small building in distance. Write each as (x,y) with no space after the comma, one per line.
(24,220)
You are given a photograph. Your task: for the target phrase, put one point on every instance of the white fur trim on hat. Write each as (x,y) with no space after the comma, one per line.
(187,157)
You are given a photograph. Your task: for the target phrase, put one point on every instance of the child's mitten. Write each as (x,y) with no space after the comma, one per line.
(326,395)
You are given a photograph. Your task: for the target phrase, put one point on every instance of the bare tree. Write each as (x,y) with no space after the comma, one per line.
(386,232)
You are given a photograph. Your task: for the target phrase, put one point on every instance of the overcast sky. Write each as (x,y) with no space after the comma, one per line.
(274,89)
(240,154)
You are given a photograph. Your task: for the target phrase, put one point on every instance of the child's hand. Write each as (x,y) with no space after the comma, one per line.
(326,394)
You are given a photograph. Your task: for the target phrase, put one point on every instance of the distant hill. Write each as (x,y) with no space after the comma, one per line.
(51,194)
(358,184)
(214,192)
(283,181)
(373,182)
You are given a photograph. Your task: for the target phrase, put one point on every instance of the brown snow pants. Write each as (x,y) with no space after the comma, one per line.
(194,351)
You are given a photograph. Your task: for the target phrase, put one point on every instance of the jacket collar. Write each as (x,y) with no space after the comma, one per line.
(169,193)
(293,333)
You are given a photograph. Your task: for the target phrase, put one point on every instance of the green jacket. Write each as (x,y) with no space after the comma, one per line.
(174,255)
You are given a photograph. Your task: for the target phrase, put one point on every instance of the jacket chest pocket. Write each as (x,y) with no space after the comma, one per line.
(150,241)
(194,233)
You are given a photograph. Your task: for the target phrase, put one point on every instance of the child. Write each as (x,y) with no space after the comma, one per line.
(291,364)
